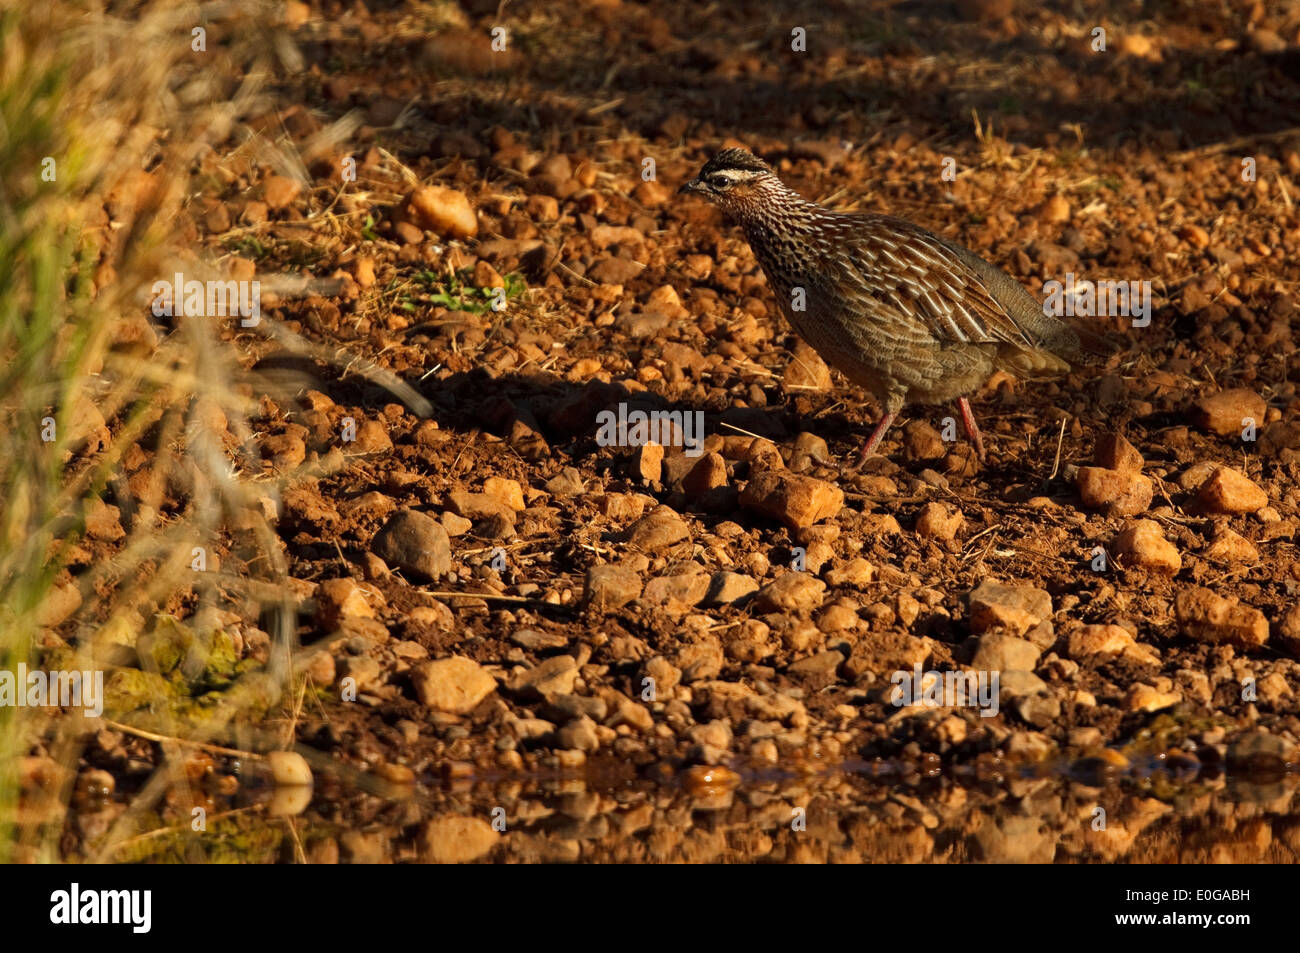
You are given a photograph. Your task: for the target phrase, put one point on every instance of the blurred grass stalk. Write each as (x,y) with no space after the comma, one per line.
(91,98)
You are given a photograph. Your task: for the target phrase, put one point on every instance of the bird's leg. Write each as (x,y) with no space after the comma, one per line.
(873,441)
(972,430)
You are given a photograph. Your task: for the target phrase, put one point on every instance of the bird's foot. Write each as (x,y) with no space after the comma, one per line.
(972,429)
(869,448)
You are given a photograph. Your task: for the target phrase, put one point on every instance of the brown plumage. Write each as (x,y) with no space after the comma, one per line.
(910,316)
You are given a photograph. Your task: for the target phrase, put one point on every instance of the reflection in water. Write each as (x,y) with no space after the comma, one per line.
(870,816)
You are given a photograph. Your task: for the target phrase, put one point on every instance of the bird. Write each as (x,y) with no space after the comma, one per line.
(908,315)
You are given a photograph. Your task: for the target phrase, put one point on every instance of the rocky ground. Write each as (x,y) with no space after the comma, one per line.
(486,594)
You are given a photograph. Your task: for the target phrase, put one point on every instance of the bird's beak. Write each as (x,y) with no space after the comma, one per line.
(690,185)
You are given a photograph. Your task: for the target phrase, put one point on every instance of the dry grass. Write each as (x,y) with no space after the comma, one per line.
(121,105)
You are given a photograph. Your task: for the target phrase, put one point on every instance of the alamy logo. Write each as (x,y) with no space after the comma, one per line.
(946,690)
(668,428)
(208,299)
(1092,299)
(103,906)
(38,688)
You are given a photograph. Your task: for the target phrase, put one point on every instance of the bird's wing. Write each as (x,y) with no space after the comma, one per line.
(915,273)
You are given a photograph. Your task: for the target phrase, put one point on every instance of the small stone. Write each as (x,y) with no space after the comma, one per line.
(651,194)
(1039,710)
(666,675)
(285,450)
(544,208)
(790,592)
(922,442)
(444,212)
(726,588)
(1288,634)
(480,506)
(856,572)
(1204,616)
(555,676)
(1136,44)
(939,521)
(1114,452)
(536,641)
(615,271)
(455,685)
(566,483)
(103,521)
(1144,544)
(837,617)
(507,492)
(289,768)
(408,234)
(414,543)
(1229,411)
(580,735)
(999,652)
(485,276)
(1015,684)
(1118,492)
(363,270)
(1192,477)
(371,437)
(279,191)
(1017,609)
(1109,641)
(658,530)
(1231,547)
(611,586)
(1055,210)
(455,524)
(1142,697)
(823,663)
(339,599)
(797,501)
(709,473)
(1228,491)
(649,462)
(687,588)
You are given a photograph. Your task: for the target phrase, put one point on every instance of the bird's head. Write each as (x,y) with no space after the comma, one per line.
(733,180)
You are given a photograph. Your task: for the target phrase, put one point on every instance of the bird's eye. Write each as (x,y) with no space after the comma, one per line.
(718,181)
